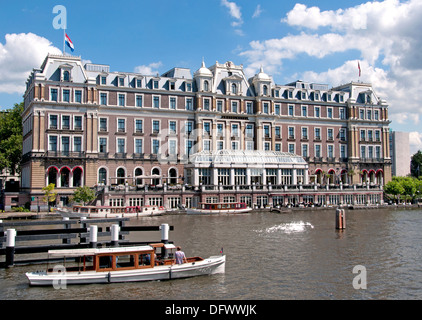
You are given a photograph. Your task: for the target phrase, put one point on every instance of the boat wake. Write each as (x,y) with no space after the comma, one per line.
(291,227)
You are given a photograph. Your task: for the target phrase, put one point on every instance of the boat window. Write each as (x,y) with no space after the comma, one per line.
(144,259)
(106,262)
(125,261)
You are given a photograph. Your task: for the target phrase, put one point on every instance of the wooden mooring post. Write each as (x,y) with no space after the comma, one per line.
(87,233)
(340,219)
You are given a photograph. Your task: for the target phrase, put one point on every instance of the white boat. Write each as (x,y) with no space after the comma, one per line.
(212,208)
(112,212)
(123,264)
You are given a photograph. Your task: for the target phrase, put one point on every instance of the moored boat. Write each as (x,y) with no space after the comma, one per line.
(213,208)
(112,212)
(123,264)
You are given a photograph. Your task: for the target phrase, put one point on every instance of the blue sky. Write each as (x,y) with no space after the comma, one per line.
(315,41)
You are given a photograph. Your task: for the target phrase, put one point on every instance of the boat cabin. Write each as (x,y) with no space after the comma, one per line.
(119,258)
(223,206)
(105,209)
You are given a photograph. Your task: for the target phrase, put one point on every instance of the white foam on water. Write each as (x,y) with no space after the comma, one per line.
(289,227)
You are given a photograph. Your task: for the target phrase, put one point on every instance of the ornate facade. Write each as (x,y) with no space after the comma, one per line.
(86,125)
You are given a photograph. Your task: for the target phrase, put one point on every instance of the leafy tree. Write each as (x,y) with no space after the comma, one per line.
(50,194)
(84,194)
(416,164)
(394,187)
(11,139)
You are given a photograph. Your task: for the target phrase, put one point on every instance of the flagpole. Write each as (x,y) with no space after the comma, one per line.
(64,41)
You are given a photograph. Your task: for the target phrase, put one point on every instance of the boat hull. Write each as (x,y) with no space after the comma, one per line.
(212,265)
(206,211)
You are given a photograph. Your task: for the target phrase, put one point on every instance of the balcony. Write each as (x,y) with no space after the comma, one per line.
(65,154)
(120,155)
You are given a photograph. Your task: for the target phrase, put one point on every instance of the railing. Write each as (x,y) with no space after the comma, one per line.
(177,188)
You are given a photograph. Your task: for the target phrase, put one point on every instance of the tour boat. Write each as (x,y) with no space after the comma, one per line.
(212,208)
(122,264)
(113,212)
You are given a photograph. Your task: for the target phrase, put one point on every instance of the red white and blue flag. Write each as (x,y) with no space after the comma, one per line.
(69,42)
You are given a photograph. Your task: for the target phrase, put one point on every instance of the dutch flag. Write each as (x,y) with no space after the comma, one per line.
(69,42)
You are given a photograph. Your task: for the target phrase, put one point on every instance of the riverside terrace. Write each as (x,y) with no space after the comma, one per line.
(254,195)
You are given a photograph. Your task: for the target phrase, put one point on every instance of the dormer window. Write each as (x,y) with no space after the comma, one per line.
(65,72)
(234,88)
(121,81)
(66,75)
(172,85)
(188,87)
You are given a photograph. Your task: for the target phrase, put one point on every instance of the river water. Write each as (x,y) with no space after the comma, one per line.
(271,256)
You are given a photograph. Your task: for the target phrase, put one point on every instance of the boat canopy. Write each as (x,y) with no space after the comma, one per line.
(246,156)
(95,251)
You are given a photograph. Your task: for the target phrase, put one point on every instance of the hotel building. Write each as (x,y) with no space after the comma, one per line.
(216,135)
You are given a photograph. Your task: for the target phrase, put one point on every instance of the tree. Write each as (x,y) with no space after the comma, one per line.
(50,194)
(416,164)
(394,188)
(84,194)
(11,139)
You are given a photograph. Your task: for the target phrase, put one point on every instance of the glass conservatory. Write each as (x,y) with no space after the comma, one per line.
(244,167)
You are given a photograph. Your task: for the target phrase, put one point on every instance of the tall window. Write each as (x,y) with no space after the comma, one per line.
(77,144)
(138,100)
(65,145)
(103,124)
(121,100)
(138,126)
(52,143)
(53,121)
(53,94)
(120,145)
(66,95)
(121,125)
(155,146)
(138,146)
(155,126)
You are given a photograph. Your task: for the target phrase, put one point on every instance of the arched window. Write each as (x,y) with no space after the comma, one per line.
(52,176)
(66,75)
(264,90)
(64,177)
(155,181)
(206,86)
(77,177)
(120,174)
(234,88)
(102,175)
(172,176)
(139,172)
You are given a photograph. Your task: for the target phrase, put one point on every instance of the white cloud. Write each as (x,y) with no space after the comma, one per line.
(234,9)
(386,35)
(257,11)
(18,56)
(236,13)
(149,69)
(415,141)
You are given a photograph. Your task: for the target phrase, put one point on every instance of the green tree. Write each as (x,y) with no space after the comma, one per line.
(11,138)
(84,194)
(409,186)
(394,187)
(416,164)
(50,194)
